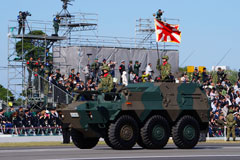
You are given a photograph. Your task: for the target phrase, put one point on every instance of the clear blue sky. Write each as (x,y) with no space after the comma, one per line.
(210,27)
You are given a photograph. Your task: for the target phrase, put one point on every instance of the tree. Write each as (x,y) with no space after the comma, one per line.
(27,48)
(3,93)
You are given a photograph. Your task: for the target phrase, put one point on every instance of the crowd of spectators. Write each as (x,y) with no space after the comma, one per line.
(24,122)
(223,95)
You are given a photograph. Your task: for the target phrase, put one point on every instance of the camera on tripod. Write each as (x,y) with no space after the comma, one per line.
(25,14)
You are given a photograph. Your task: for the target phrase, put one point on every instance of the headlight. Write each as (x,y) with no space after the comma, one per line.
(74,115)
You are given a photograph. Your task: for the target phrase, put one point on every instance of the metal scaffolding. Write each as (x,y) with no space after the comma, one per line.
(76,29)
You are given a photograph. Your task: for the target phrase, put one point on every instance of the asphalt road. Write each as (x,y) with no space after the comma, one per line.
(206,151)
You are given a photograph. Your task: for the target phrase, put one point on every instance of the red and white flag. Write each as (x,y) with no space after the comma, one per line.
(167,32)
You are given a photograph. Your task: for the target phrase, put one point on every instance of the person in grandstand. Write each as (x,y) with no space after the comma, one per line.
(121,69)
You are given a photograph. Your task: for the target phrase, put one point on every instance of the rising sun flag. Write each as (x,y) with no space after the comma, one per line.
(167,32)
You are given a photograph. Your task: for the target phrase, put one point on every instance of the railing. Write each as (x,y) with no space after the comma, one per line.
(218,131)
(117,42)
(43,92)
(31,131)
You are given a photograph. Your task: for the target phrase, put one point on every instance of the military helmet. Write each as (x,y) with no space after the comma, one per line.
(165,57)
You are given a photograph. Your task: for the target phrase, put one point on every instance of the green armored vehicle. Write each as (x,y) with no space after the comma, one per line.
(145,113)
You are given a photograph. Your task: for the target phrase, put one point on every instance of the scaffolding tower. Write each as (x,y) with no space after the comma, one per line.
(17,64)
(17,69)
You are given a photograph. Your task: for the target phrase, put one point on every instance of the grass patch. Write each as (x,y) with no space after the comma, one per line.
(33,144)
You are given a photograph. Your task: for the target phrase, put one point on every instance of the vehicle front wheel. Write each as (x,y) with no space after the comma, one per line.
(123,134)
(81,142)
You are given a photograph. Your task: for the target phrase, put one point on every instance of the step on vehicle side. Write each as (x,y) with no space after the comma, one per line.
(145,113)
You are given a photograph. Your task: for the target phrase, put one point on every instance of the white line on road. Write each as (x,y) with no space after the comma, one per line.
(143,157)
(39,150)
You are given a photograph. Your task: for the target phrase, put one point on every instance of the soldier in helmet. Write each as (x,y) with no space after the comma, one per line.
(165,68)
(106,84)
(231,122)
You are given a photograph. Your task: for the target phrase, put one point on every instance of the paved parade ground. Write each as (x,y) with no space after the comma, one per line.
(207,151)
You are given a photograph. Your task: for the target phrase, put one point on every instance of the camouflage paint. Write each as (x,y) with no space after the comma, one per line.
(142,98)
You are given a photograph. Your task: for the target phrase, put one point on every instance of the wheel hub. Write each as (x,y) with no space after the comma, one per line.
(189,132)
(158,132)
(126,132)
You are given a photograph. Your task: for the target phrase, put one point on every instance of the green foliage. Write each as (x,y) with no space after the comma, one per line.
(30,47)
(231,75)
(183,69)
(3,93)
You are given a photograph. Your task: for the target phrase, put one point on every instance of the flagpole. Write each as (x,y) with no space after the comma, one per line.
(157,50)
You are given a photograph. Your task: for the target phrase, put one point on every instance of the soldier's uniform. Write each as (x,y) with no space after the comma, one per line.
(136,68)
(165,69)
(106,84)
(231,122)
(104,64)
(95,68)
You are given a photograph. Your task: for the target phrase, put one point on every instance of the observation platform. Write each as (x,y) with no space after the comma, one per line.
(40,37)
(146,30)
(78,24)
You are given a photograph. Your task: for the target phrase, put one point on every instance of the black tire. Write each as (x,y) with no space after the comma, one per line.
(155,132)
(106,139)
(81,142)
(123,134)
(186,132)
(140,142)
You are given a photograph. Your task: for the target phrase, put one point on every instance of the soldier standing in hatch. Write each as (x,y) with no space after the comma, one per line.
(231,122)
(106,84)
(56,22)
(165,69)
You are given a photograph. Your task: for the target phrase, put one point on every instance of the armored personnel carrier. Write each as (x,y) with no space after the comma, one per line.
(145,113)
